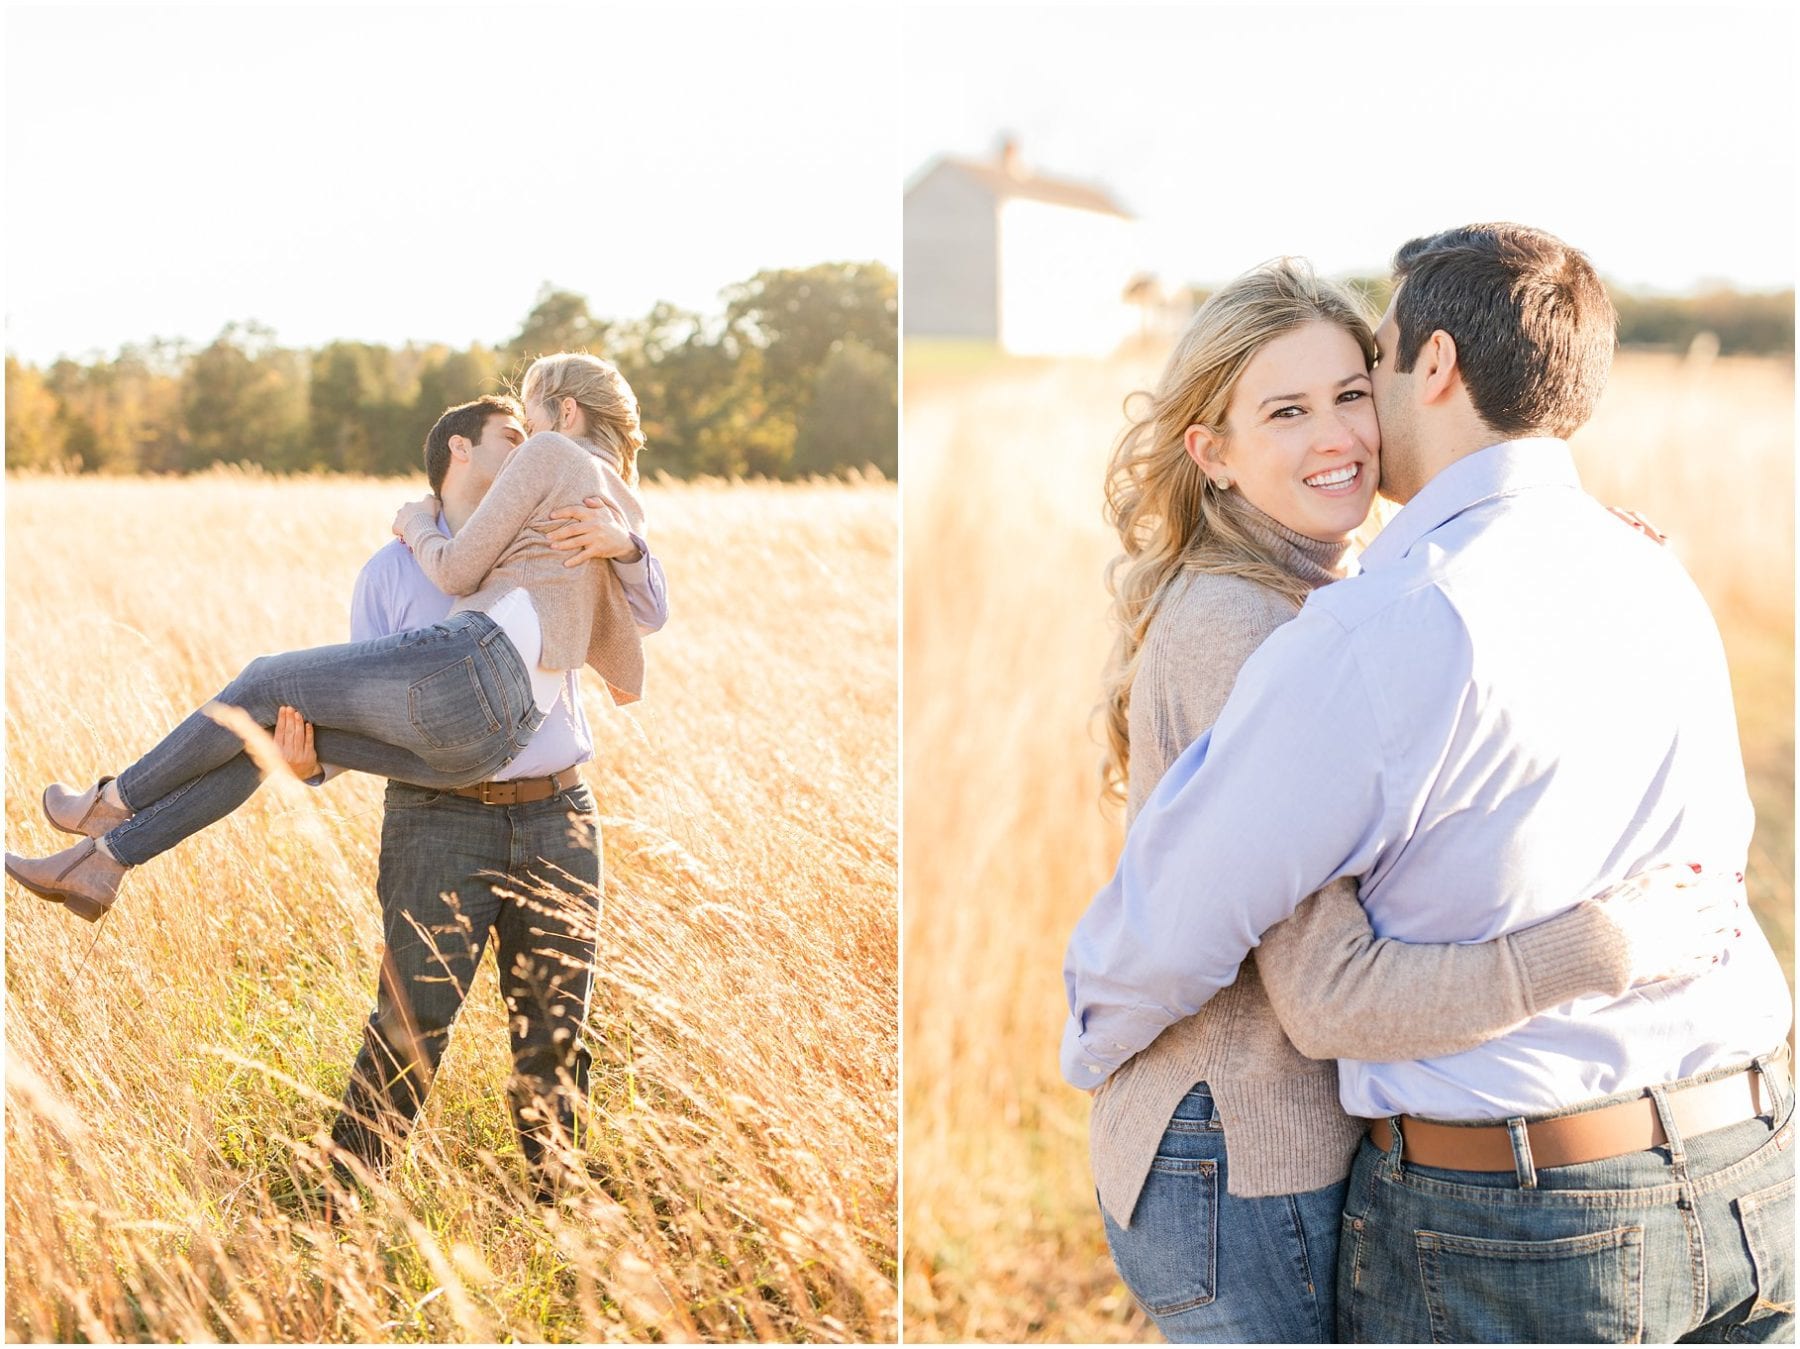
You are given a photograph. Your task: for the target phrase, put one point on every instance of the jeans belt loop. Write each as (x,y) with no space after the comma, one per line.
(1521,1145)
(1665,1114)
(1396,1145)
(1776,1081)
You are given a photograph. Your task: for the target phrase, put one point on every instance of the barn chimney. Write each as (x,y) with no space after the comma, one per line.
(1009,158)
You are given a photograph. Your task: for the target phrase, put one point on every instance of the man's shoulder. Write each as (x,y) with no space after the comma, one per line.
(387,564)
(1406,591)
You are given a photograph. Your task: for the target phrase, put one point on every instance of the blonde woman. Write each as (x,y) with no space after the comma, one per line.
(439,707)
(1220,1152)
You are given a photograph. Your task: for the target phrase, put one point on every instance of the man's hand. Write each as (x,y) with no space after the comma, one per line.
(599,531)
(294,738)
(427,502)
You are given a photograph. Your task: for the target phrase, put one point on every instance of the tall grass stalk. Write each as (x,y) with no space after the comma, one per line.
(1005,837)
(166,1091)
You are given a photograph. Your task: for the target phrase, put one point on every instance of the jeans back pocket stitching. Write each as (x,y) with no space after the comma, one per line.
(467,665)
(1182,1166)
(1749,1209)
(1209,1171)
(1346,1308)
(527,697)
(1429,1245)
(1306,1274)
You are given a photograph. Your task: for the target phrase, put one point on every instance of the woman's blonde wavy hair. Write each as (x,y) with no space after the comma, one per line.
(600,391)
(1170,517)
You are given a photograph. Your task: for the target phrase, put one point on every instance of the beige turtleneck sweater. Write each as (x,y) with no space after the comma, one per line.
(1322,986)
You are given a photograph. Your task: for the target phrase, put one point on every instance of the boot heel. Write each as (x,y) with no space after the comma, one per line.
(90,909)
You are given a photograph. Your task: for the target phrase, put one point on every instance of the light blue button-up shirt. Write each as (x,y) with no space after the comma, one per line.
(1517,703)
(393,594)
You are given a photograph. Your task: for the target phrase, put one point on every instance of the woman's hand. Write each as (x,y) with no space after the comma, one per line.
(294,738)
(1677,921)
(599,531)
(1639,523)
(427,502)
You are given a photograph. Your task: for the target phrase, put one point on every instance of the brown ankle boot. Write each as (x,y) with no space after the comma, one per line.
(86,812)
(82,879)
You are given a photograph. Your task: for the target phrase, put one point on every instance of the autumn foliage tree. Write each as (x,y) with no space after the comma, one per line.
(795,376)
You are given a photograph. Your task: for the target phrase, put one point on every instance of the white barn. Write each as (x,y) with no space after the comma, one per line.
(1040,266)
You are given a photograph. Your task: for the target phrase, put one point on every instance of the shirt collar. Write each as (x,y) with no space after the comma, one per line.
(1499,470)
(443,525)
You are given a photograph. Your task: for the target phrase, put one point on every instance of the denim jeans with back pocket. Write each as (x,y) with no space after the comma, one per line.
(1691,1243)
(442,706)
(453,871)
(1211,1268)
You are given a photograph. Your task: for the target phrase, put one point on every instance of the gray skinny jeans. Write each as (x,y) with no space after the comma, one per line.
(439,707)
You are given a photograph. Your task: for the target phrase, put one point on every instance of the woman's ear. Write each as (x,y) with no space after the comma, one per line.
(567,411)
(1207,449)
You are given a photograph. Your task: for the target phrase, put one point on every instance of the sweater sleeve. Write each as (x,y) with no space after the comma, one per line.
(1334,985)
(457,565)
(1338,989)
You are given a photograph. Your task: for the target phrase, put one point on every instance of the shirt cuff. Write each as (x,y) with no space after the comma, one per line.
(1090,1057)
(637,571)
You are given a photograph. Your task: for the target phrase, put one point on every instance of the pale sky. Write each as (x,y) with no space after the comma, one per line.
(1659,140)
(415,173)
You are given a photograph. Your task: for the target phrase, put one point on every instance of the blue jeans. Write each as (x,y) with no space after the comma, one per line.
(452,870)
(442,706)
(1211,1268)
(1692,1242)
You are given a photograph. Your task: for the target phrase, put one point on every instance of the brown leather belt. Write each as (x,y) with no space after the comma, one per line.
(520,791)
(1590,1136)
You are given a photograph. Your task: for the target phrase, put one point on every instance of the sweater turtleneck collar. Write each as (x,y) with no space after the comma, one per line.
(1312,560)
(605,453)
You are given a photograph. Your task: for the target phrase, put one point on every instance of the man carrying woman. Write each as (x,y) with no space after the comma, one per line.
(517,856)
(443,698)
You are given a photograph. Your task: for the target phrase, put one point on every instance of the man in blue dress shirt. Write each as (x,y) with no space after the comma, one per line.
(518,856)
(1515,703)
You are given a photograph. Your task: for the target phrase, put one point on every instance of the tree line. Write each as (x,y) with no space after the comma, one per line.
(796,376)
(1745,323)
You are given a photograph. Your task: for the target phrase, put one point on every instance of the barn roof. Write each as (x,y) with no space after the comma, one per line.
(1012,181)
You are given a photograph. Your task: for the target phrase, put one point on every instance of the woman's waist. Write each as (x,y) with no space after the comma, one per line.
(565,600)
(1151,1083)
(1235,1044)
(1287,1134)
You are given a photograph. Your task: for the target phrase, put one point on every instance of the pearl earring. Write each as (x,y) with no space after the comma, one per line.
(1222,482)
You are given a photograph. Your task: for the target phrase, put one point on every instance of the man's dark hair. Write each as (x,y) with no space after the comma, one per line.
(1535,330)
(466,420)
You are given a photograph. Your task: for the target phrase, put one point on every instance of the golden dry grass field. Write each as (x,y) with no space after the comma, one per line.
(1005,838)
(164,1090)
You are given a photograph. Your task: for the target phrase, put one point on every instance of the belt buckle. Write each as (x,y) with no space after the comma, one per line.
(487,794)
